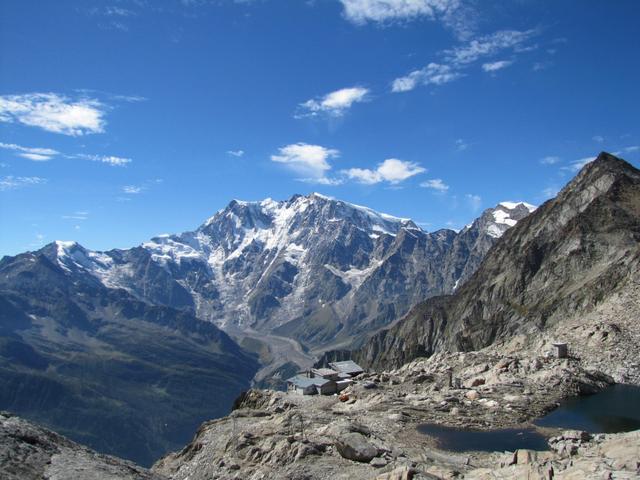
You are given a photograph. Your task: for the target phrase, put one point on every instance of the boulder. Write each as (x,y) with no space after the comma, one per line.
(355,446)
(472,395)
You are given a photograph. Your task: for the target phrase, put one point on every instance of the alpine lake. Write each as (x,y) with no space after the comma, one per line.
(615,409)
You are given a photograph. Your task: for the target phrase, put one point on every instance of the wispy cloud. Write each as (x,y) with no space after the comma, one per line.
(487,46)
(495,66)
(138,189)
(461,145)
(39,154)
(32,153)
(538,66)
(432,74)
(310,161)
(235,153)
(475,201)
(391,170)
(633,148)
(550,192)
(550,160)
(453,14)
(577,165)
(436,185)
(111,160)
(333,104)
(12,183)
(54,113)
(77,216)
(132,189)
(598,138)
(459,58)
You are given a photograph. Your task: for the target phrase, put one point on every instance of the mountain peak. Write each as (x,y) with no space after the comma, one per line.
(513,205)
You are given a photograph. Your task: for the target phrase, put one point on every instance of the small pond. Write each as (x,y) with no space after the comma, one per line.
(459,440)
(616,409)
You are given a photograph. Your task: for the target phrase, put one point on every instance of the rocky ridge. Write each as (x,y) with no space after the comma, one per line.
(574,255)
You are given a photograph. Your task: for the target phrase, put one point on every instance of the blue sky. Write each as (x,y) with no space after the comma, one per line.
(121,120)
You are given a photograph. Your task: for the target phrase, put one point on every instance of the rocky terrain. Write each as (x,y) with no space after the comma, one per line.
(373,434)
(28,452)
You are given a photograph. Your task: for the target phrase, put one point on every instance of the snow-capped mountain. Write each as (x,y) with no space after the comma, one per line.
(311,267)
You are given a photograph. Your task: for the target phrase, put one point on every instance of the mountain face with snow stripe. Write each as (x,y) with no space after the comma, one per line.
(311,267)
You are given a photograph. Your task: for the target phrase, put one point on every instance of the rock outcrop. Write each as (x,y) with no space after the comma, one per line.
(30,452)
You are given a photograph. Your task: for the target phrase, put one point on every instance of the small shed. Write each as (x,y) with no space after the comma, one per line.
(349,367)
(561,349)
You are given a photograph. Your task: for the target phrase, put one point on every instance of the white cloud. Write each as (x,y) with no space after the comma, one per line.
(550,160)
(108,159)
(132,189)
(31,153)
(461,145)
(577,165)
(453,14)
(475,201)
(54,113)
(363,11)
(335,103)
(432,74)
(311,161)
(331,182)
(487,45)
(538,66)
(633,148)
(235,153)
(598,138)
(459,58)
(81,216)
(391,170)
(12,183)
(495,66)
(435,184)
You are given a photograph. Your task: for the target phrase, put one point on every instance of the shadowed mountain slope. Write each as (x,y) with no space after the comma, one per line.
(567,257)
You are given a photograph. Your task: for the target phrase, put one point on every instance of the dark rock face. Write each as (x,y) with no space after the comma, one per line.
(106,369)
(570,255)
(30,452)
